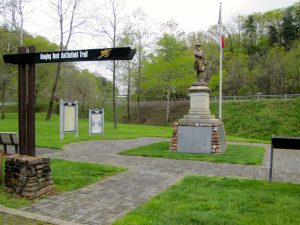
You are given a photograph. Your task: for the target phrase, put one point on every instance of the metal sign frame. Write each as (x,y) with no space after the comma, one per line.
(96,112)
(62,119)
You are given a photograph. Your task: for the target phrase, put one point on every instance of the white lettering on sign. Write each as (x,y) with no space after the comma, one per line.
(64,55)
(69,55)
(84,54)
(45,56)
(55,55)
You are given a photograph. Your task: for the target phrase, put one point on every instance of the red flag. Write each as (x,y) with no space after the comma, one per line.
(223,41)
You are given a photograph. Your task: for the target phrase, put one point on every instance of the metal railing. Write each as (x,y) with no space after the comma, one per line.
(228,98)
(258,96)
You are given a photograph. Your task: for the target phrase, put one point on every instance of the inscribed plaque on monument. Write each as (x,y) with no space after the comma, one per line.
(69,118)
(194,139)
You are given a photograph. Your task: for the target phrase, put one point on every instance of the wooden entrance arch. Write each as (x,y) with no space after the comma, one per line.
(26,60)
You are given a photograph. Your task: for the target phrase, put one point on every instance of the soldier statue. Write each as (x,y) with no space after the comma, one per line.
(200,63)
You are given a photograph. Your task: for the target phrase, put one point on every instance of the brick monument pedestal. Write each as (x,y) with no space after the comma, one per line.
(198,131)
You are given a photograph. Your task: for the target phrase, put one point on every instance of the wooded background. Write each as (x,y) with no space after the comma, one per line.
(261,55)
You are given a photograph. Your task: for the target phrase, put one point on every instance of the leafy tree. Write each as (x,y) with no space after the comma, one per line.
(288,28)
(140,32)
(127,67)
(68,20)
(110,28)
(292,68)
(271,78)
(171,67)
(238,72)
(250,27)
(273,35)
(8,73)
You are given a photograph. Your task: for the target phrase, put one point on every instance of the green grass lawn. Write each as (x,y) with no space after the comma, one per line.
(237,154)
(67,176)
(47,132)
(200,200)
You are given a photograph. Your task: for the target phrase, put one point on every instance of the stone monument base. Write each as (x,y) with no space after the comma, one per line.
(198,136)
(198,131)
(27,176)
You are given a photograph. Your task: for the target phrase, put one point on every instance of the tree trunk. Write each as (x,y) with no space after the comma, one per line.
(54,89)
(168,106)
(114,95)
(82,108)
(2,99)
(138,90)
(128,94)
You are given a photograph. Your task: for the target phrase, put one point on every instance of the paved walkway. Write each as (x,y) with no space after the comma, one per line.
(111,198)
(39,151)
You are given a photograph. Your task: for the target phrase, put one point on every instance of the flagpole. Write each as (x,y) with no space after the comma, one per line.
(221,57)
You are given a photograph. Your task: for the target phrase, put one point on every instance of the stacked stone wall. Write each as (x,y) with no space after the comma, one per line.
(27,176)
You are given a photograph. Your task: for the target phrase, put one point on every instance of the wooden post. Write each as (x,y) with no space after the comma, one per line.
(22,105)
(31,107)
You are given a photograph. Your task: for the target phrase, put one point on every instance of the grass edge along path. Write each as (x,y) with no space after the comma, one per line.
(67,176)
(203,200)
(235,154)
(8,219)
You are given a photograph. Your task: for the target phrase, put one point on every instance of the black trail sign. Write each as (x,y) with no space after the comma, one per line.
(72,56)
(27,58)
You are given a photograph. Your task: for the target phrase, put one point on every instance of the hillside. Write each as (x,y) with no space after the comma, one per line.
(258,119)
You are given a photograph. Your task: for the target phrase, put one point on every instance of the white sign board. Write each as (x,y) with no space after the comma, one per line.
(96,121)
(68,118)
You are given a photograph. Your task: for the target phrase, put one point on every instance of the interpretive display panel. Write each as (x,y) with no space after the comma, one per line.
(68,118)
(96,121)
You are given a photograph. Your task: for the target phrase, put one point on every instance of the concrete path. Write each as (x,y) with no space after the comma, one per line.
(110,199)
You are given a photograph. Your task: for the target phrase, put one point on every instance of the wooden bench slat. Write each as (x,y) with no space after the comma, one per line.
(6,139)
(9,138)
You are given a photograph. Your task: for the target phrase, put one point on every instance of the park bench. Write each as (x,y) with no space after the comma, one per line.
(282,142)
(9,138)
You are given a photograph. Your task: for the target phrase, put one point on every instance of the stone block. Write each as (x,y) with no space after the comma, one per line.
(22,175)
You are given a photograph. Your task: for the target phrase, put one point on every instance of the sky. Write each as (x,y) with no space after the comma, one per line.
(191,15)
(194,15)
